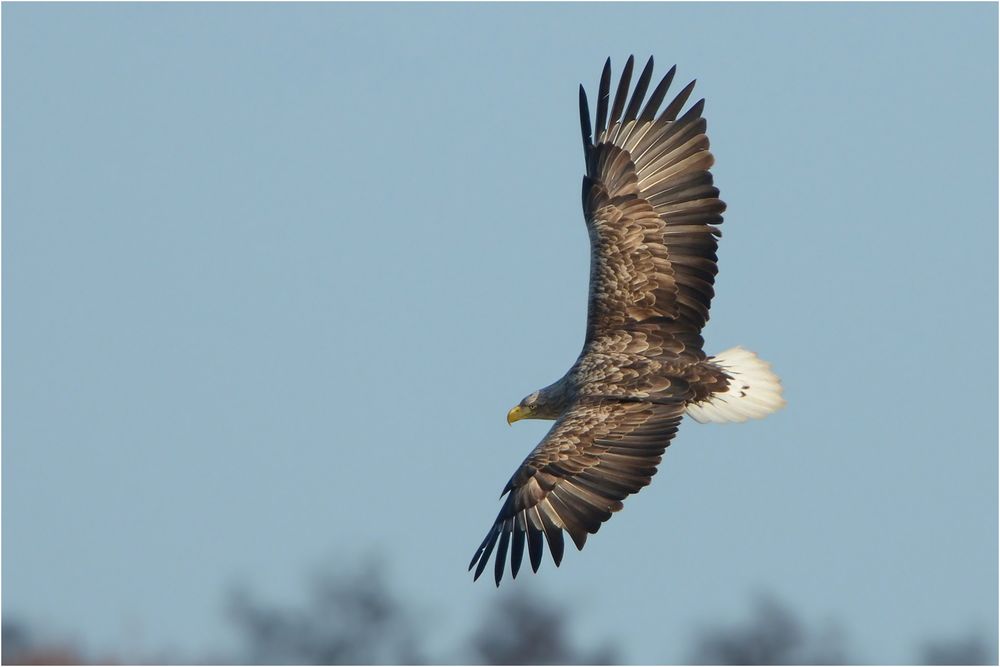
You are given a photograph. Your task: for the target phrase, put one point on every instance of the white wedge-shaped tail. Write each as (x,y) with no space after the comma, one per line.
(754,390)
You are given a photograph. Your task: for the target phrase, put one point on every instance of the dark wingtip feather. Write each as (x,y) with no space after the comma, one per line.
(535,548)
(603,93)
(585,121)
(517,551)
(479,551)
(656,99)
(501,559)
(694,112)
(556,546)
(491,541)
(670,113)
(623,84)
(640,91)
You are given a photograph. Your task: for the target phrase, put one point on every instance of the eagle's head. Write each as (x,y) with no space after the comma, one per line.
(547,403)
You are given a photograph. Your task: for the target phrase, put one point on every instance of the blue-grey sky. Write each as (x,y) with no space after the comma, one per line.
(273,275)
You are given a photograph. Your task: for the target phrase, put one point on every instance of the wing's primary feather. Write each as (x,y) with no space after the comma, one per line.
(585,122)
(603,92)
(670,113)
(640,91)
(623,83)
(656,99)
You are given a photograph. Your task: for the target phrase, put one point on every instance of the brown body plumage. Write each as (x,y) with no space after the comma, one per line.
(651,210)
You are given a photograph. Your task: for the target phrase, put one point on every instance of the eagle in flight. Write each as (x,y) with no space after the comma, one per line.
(651,211)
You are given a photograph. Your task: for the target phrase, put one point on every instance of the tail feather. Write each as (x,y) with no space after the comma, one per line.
(754,390)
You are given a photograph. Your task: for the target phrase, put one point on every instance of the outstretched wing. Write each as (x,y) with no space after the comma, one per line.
(596,454)
(651,209)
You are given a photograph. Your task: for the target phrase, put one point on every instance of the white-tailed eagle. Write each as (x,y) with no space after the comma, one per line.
(651,211)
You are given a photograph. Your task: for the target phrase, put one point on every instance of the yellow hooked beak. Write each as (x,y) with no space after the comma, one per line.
(517,413)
